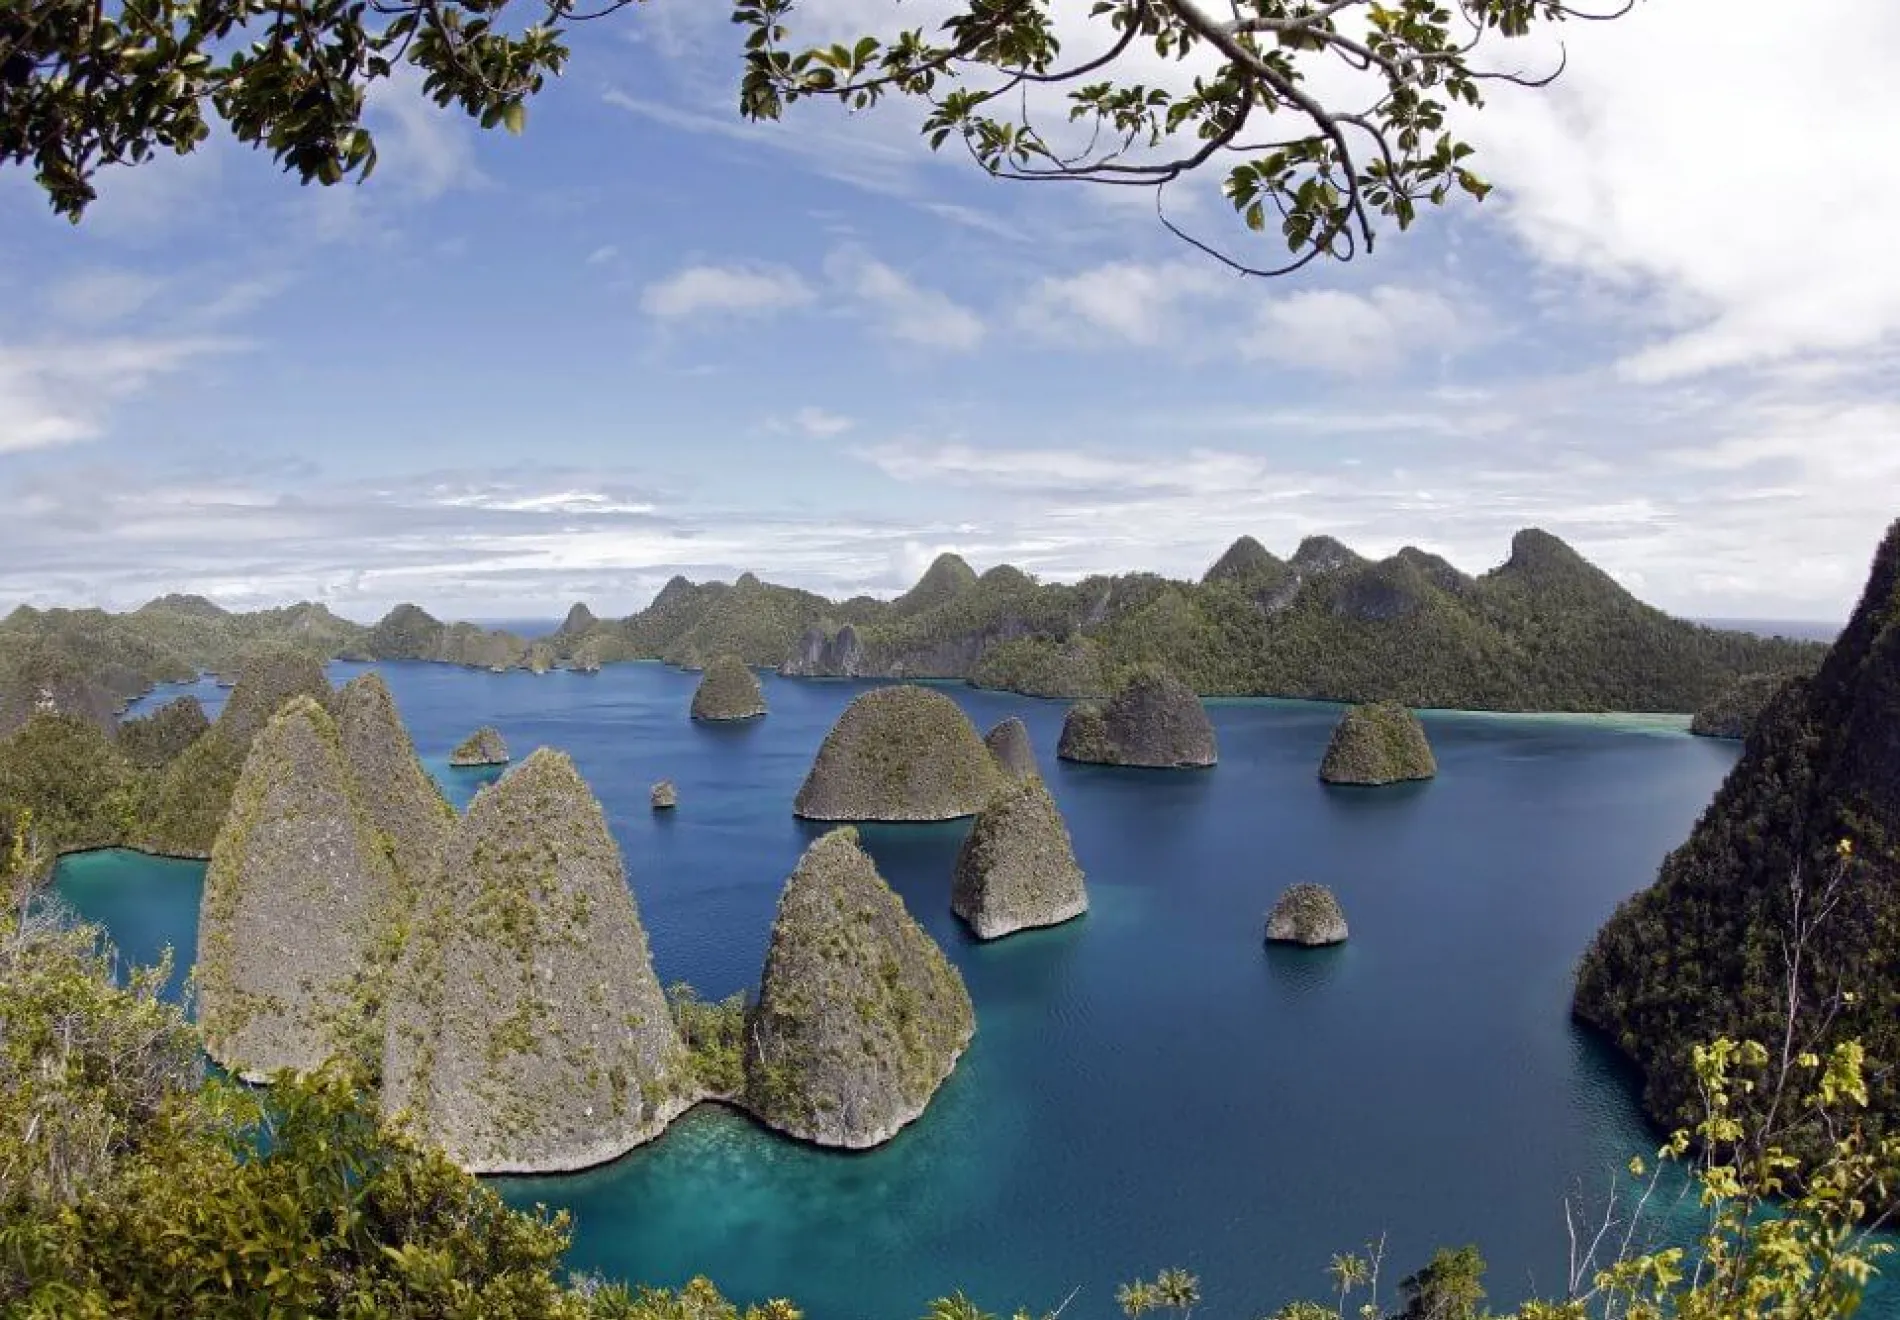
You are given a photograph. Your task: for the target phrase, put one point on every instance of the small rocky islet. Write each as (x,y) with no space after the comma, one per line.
(1153,720)
(1375,744)
(1017,869)
(728,690)
(1307,915)
(902,753)
(484,747)
(1009,744)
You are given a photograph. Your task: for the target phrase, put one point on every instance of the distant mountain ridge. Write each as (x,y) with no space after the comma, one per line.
(1546,630)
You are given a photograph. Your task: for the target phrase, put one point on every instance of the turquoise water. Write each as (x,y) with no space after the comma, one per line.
(1149,1086)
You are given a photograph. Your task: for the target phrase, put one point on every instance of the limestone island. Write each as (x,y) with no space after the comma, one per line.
(860,1016)
(295,899)
(527,1032)
(1733,711)
(482,747)
(1009,744)
(1308,915)
(728,690)
(664,796)
(1017,868)
(899,754)
(1378,743)
(1153,719)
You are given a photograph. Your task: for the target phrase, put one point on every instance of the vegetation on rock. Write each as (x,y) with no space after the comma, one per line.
(1786,893)
(1733,711)
(1378,743)
(155,740)
(66,786)
(527,1031)
(297,896)
(1016,868)
(728,690)
(400,800)
(40,679)
(1009,744)
(899,753)
(1306,914)
(485,746)
(1153,719)
(860,1016)
(714,1035)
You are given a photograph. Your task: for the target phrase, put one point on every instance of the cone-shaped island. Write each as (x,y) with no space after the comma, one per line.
(899,753)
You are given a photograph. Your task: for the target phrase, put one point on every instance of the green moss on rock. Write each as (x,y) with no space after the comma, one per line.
(1378,743)
(1306,914)
(296,898)
(860,1016)
(1016,868)
(899,753)
(1153,719)
(728,690)
(528,1033)
(1009,744)
(482,747)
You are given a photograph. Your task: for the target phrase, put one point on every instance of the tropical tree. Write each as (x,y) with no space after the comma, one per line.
(85,85)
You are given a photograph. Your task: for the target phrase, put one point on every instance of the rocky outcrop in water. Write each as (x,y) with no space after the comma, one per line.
(1378,743)
(899,753)
(1734,710)
(1153,719)
(860,1016)
(1009,744)
(664,796)
(1306,914)
(482,747)
(728,690)
(402,802)
(296,905)
(1016,868)
(155,740)
(1700,954)
(527,1031)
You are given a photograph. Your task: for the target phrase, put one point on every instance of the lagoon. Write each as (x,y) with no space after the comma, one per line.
(1149,1086)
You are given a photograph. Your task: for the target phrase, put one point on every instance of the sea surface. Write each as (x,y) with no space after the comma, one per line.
(1149,1085)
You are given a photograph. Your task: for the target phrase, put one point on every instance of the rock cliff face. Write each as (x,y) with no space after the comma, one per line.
(1380,743)
(1733,712)
(899,753)
(1154,719)
(1009,744)
(411,818)
(482,747)
(42,681)
(155,740)
(1306,914)
(860,1016)
(296,903)
(527,1031)
(728,690)
(1699,954)
(1017,867)
(822,654)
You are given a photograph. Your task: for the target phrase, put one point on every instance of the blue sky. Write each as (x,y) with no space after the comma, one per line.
(646,338)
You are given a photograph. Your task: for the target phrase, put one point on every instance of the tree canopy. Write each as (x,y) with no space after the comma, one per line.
(1330,118)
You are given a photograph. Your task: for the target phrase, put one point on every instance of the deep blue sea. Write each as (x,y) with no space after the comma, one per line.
(1149,1086)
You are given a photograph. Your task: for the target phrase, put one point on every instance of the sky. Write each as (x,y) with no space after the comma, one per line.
(647,338)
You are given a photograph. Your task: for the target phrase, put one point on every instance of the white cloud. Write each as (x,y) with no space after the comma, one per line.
(427,149)
(600,256)
(61,393)
(740,290)
(1728,155)
(821,424)
(1355,334)
(101,295)
(904,309)
(1125,301)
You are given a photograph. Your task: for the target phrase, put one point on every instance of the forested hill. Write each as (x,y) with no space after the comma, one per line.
(1546,630)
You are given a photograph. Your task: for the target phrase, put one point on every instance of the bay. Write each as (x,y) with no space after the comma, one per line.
(1149,1085)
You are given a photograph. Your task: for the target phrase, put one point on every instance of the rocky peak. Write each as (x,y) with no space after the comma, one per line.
(1324,554)
(1244,559)
(947,575)
(400,799)
(579,619)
